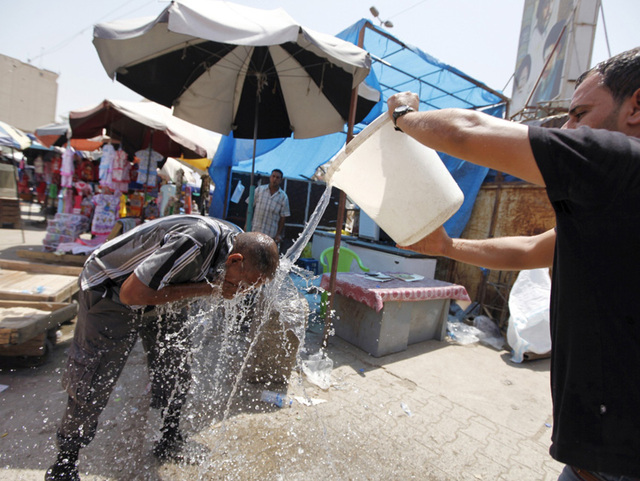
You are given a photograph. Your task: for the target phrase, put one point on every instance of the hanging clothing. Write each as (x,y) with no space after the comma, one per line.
(134,209)
(106,213)
(38,164)
(67,168)
(106,161)
(167,191)
(121,172)
(148,167)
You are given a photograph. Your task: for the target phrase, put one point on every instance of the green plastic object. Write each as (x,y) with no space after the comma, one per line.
(345,259)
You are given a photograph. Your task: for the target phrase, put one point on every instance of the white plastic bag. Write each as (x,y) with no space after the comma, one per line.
(318,369)
(528,329)
(237,193)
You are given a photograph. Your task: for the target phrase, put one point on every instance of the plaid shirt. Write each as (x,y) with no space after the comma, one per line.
(268,209)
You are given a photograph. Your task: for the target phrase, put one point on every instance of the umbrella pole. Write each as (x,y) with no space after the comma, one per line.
(252,188)
(144,189)
(17,175)
(338,236)
(340,217)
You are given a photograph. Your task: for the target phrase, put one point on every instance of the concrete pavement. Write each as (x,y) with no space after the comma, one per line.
(437,411)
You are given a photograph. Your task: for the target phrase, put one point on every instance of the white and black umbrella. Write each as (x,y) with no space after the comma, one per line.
(230,68)
(13,137)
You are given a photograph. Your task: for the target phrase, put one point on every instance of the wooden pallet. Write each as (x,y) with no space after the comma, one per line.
(26,281)
(21,321)
(53,257)
(28,328)
(10,212)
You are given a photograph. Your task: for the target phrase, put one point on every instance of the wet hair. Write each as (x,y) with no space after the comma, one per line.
(279,171)
(620,74)
(260,250)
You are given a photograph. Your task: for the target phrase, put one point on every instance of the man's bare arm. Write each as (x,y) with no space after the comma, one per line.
(135,293)
(472,136)
(502,253)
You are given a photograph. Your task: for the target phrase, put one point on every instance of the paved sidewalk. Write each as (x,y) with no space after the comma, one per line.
(437,411)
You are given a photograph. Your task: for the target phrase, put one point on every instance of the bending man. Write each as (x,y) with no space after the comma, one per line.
(162,261)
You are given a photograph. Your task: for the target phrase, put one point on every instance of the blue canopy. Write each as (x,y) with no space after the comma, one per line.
(396,67)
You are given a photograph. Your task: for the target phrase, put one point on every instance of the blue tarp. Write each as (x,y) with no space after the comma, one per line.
(396,67)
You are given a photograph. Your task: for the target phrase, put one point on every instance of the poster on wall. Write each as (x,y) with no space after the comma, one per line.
(553,46)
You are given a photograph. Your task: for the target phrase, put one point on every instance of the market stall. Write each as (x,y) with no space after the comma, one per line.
(93,194)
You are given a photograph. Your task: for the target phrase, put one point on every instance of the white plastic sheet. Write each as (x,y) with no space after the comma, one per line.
(528,329)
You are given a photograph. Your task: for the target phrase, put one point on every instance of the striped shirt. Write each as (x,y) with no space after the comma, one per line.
(268,210)
(170,250)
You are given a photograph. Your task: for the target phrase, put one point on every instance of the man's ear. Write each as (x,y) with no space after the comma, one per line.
(634,113)
(233,258)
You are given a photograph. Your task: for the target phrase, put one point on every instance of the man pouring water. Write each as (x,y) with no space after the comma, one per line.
(163,261)
(591,171)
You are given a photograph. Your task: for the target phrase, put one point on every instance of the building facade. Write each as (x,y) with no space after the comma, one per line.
(28,95)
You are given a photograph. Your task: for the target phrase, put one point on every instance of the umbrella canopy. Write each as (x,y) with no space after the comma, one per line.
(13,137)
(231,68)
(141,124)
(36,145)
(56,134)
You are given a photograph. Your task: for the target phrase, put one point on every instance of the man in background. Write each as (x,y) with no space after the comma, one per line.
(271,207)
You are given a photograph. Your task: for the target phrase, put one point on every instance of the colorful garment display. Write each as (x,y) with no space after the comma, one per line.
(134,209)
(167,191)
(148,168)
(105,214)
(106,161)
(67,168)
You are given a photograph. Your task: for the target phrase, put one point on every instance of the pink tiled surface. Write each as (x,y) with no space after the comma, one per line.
(374,293)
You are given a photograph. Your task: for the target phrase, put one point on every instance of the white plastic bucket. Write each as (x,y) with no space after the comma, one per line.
(400,183)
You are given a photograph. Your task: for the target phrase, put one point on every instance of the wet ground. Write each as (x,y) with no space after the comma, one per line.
(437,411)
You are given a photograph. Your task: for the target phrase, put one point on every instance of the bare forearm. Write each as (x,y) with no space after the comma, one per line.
(503,253)
(178,292)
(472,136)
(135,293)
(281,226)
(506,253)
(477,138)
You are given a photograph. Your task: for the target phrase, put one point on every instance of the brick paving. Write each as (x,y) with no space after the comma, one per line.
(437,411)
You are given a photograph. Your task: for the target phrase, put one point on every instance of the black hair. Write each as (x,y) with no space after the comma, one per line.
(620,74)
(279,171)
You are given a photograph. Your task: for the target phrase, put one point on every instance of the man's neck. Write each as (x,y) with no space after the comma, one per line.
(273,189)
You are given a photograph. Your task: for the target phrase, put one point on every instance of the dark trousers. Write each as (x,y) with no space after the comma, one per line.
(105,334)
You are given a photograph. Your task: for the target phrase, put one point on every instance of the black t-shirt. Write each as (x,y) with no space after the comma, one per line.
(593,183)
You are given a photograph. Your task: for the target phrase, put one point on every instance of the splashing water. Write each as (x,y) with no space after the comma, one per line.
(256,338)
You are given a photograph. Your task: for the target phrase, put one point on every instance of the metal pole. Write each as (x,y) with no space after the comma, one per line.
(492,231)
(340,218)
(252,189)
(369,25)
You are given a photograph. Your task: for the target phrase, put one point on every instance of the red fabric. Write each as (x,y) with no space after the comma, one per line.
(374,293)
